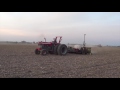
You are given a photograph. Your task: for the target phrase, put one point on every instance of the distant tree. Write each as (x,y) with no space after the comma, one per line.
(33,42)
(99,45)
(23,41)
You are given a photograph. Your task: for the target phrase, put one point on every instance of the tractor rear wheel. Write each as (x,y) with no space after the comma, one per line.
(62,49)
(55,49)
(43,52)
(37,52)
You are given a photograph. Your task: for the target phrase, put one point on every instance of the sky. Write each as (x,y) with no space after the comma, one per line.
(100,27)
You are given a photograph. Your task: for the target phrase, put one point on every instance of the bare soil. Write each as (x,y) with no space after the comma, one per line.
(20,61)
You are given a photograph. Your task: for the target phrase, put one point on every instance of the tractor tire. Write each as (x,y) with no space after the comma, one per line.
(55,49)
(43,52)
(37,52)
(62,49)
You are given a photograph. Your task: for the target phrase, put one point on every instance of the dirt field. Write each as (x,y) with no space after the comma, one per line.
(19,61)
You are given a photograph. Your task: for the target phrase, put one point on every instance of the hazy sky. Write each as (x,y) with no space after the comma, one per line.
(99,27)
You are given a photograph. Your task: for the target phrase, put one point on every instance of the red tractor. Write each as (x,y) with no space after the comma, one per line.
(53,47)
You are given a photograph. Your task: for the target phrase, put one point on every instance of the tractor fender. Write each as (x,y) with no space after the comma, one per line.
(38,49)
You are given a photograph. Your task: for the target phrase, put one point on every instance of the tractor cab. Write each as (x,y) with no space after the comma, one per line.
(56,40)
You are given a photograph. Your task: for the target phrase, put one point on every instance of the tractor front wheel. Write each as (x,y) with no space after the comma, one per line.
(37,52)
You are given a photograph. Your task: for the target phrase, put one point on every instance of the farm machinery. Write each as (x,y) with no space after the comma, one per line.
(53,47)
(78,49)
